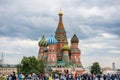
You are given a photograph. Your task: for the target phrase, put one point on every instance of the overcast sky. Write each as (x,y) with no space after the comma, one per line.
(96,23)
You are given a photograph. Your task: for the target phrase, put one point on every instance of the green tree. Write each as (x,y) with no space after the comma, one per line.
(42,66)
(18,68)
(95,68)
(31,65)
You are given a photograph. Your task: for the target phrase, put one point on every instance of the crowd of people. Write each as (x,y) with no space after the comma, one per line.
(53,76)
(11,76)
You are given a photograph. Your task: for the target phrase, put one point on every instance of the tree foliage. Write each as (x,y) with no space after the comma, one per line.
(31,65)
(18,68)
(95,68)
(56,72)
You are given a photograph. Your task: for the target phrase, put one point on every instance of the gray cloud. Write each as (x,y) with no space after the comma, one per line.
(89,3)
(26,19)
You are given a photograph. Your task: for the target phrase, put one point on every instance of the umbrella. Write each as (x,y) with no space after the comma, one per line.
(21,76)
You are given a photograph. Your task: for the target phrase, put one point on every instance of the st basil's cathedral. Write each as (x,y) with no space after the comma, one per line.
(56,53)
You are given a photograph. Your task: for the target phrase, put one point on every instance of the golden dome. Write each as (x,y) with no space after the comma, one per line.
(65,47)
(60,13)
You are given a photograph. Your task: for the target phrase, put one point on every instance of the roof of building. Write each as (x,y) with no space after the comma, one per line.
(74,39)
(7,65)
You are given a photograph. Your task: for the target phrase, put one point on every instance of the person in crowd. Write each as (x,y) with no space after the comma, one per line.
(78,77)
(13,76)
(34,76)
(4,77)
(29,76)
(64,77)
(67,76)
(70,77)
(92,77)
(9,77)
(75,76)
(61,77)
(117,77)
(50,77)
(57,78)
(53,76)
(98,76)
(84,76)
(89,77)
(42,76)
(108,76)
(112,77)
(104,77)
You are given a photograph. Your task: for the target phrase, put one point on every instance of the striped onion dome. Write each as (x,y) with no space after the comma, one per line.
(65,47)
(43,42)
(52,40)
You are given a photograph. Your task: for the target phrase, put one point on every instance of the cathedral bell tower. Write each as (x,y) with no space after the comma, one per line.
(60,36)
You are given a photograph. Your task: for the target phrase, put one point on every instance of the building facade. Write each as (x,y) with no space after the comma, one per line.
(7,69)
(55,51)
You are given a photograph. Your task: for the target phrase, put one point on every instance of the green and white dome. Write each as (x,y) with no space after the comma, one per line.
(43,42)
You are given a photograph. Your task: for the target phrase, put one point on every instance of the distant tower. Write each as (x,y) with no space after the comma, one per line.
(113,66)
(52,52)
(60,35)
(2,59)
(42,44)
(75,51)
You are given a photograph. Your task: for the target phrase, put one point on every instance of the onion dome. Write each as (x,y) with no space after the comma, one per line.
(52,40)
(43,42)
(46,49)
(65,47)
(74,39)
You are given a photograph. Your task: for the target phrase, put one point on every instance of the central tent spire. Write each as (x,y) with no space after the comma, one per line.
(60,28)
(60,35)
